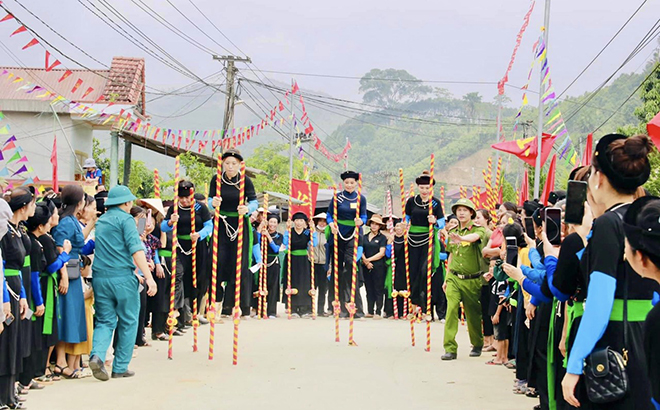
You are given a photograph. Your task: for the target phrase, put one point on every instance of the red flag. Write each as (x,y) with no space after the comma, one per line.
(549,182)
(526,149)
(281,106)
(53,161)
(31,43)
(65,75)
(481,200)
(9,146)
(77,85)
(49,66)
(21,29)
(524,190)
(588,150)
(295,88)
(300,191)
(653,128)
(88,92)
(9,16)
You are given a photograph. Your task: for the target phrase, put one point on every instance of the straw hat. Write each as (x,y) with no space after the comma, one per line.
(377,219)
(155,204)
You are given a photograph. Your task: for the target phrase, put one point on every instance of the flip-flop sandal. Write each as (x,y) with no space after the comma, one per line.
(19,405)
(52,376)
(35,386)
(493,363)
(489,349)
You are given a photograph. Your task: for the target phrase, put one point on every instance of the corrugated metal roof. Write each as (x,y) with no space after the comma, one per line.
(11,90)
(122,84)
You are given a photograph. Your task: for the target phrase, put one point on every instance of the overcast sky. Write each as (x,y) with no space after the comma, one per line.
(433,40)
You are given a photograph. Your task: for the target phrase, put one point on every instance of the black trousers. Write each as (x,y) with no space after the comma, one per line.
(7,391)
(485,304)
(273,285)
(322,284)
(374,281)
(140,339)
(159,322)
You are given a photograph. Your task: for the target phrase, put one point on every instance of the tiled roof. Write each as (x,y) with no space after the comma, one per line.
(122,84)
(126,80)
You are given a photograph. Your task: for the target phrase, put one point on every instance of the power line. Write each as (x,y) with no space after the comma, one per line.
(347,77)
(604,47)
(629,97)
(646,40)
(197,27)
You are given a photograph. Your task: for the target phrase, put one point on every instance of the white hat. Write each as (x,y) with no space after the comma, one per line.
(89,163)
(154,203)
(321,216)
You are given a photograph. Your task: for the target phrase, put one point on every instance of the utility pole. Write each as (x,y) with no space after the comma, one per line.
(537,171)
(291,137)
(228,121)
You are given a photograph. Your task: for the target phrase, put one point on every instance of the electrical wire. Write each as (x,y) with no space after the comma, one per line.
(630,96)
(604,47)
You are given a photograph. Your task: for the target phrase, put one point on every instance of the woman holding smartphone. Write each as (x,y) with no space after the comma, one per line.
(619,167)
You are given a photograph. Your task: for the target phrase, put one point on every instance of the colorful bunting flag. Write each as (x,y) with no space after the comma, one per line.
(21,29)
(9,16)
(32,42)
(4,130)
(66,74)
(77,85)
(20,170)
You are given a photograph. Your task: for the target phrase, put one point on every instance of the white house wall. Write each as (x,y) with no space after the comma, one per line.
(34,126)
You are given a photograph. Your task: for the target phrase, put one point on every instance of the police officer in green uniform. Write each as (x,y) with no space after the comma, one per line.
(116,295)
(463,282)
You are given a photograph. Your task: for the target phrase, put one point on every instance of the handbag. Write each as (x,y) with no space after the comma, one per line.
(605,371)
(73,269)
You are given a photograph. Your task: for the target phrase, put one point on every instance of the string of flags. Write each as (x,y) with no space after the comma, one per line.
(13,159)
(554,123)
(197,140)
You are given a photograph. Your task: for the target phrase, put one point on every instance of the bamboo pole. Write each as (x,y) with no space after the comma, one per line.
(171,320)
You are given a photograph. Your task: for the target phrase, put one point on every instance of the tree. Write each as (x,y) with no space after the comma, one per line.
(269,159)
(98,153)
(391,87)
(140,180)
(650,96)
(471,100)
(192,170)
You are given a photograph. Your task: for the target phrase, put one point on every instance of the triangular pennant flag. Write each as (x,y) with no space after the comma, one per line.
(21,29)
(4,130)
(30,44)
(15,157)
(9,16)
(4,172)
(65,75)
(24,159)
(20,170)
(28,181)
(88,92)
(77,85)
(9,146)
(49,66)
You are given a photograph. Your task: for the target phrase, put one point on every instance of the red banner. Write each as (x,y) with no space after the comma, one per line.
(300,191)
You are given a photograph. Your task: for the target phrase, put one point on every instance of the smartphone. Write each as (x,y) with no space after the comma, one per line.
(529,227)
(511,250)
(553,225)
(576,196)
(28,314)
(141,225)
(9,319)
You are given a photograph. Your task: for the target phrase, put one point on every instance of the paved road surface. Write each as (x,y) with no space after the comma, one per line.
(297,365)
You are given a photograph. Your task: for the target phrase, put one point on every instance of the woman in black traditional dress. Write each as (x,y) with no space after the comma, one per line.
(226,196)
(373,261)
(49,279)
(185,239)
(275,240)
(399,285)
(418,218)
(298,238)
(35,365)
(14,341)
(642,227)
(620,166)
